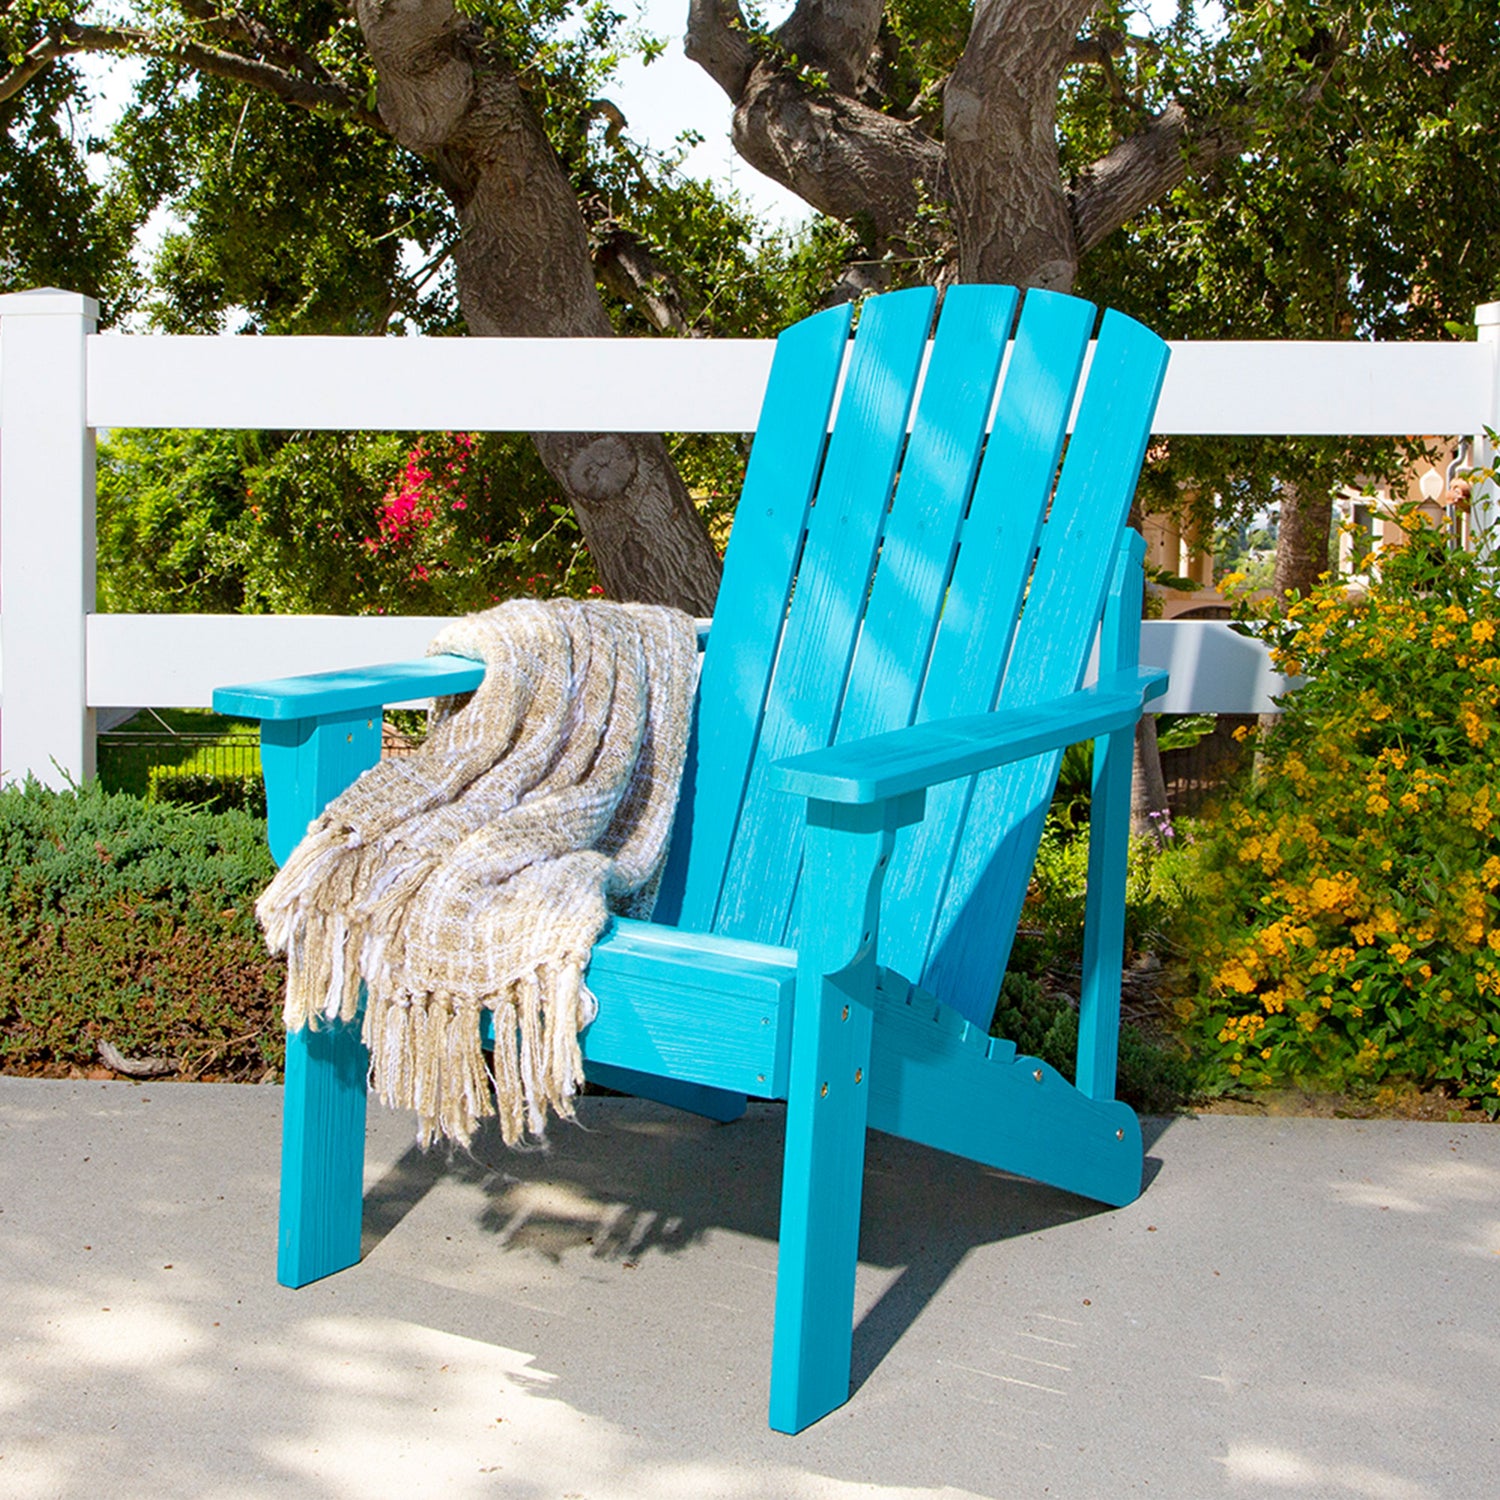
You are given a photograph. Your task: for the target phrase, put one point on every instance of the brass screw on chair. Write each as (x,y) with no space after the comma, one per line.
(1037,1075)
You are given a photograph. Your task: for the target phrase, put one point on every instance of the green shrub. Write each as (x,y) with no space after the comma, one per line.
(1346,934)
(1153,1077)
(213,791)
(1154,1073)
(131,922)
(1052,918)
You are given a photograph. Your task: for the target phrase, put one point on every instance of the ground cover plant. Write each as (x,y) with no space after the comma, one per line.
(1038,1005)
(1344,931)
(130,923)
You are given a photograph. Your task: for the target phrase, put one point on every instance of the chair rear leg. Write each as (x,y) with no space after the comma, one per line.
(322,1153)
(1104,916)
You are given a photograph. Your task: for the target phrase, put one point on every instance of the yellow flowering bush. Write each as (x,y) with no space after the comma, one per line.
(1346,928)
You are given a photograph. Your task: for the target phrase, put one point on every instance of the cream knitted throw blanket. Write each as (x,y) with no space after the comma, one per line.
(477,874)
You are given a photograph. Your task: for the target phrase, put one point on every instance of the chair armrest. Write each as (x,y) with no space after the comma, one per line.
(907,760)
(351,692)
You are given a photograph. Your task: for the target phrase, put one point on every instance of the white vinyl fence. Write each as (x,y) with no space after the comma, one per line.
(60,660)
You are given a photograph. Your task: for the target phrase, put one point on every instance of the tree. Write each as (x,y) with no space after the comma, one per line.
(1307,169)
(57,227)
(1357,217)
(468,98)
(1035,141)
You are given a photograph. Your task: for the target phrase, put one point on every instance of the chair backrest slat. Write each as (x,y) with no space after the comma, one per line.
(926,516)
(827,604)
(764,546)
(988,879)
(921,535)
(989,579)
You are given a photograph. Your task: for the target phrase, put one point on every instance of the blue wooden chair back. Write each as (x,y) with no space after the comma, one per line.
(876,576)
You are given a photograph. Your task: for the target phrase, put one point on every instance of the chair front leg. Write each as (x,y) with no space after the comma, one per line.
(306,763)
(322,1153)
(845,857)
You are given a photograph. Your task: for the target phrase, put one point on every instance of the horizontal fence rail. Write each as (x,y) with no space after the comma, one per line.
(703,385)
(60,382)
(178,660)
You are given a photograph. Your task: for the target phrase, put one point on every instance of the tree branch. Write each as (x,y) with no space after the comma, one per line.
(718,41)
(1151,163)
(71,39)
(834,36)
(846,159)
(1140,170)
(635,275)
(241,25)
(37,60)
(426,77)
(1135,173)
(1106,43)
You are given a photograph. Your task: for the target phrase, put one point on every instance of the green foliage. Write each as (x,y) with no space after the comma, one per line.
(177,741)
(1052,919)
(1153,1077)
(1346,928)
(1183,731)
(921,41)
(1346,214)
(212,791)
(131,922)
(329,523)
(369,249)
(58,227)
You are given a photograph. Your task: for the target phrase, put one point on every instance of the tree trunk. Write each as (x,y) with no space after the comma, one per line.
(1148,786)
(1302,540)
(523,270)
(1011,210)
(987,201)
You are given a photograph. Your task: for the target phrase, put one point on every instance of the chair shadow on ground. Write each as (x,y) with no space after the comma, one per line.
(634,1179)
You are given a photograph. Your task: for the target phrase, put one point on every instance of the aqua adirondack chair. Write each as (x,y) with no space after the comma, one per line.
(879,727)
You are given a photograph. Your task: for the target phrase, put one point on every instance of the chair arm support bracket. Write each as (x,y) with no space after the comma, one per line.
(845,857)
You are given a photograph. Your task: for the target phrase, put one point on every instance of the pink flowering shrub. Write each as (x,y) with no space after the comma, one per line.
(443,531)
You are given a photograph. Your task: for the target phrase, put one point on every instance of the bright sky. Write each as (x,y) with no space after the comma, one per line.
(672,95)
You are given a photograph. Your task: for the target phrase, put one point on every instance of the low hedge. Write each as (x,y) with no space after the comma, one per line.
(130,922)
(214,791)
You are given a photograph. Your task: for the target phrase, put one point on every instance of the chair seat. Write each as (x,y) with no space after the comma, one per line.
(700,1009)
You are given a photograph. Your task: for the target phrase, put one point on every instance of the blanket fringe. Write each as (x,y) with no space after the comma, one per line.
(426,1056)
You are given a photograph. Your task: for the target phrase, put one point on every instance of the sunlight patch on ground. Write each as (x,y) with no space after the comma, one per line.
(1262,1467)
(395,1409)
(1424,1189)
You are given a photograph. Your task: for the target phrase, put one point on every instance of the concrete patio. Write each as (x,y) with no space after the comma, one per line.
(1302,1308)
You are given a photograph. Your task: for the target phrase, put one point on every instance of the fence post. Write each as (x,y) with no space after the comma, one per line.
(47,545)
(1484,515)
